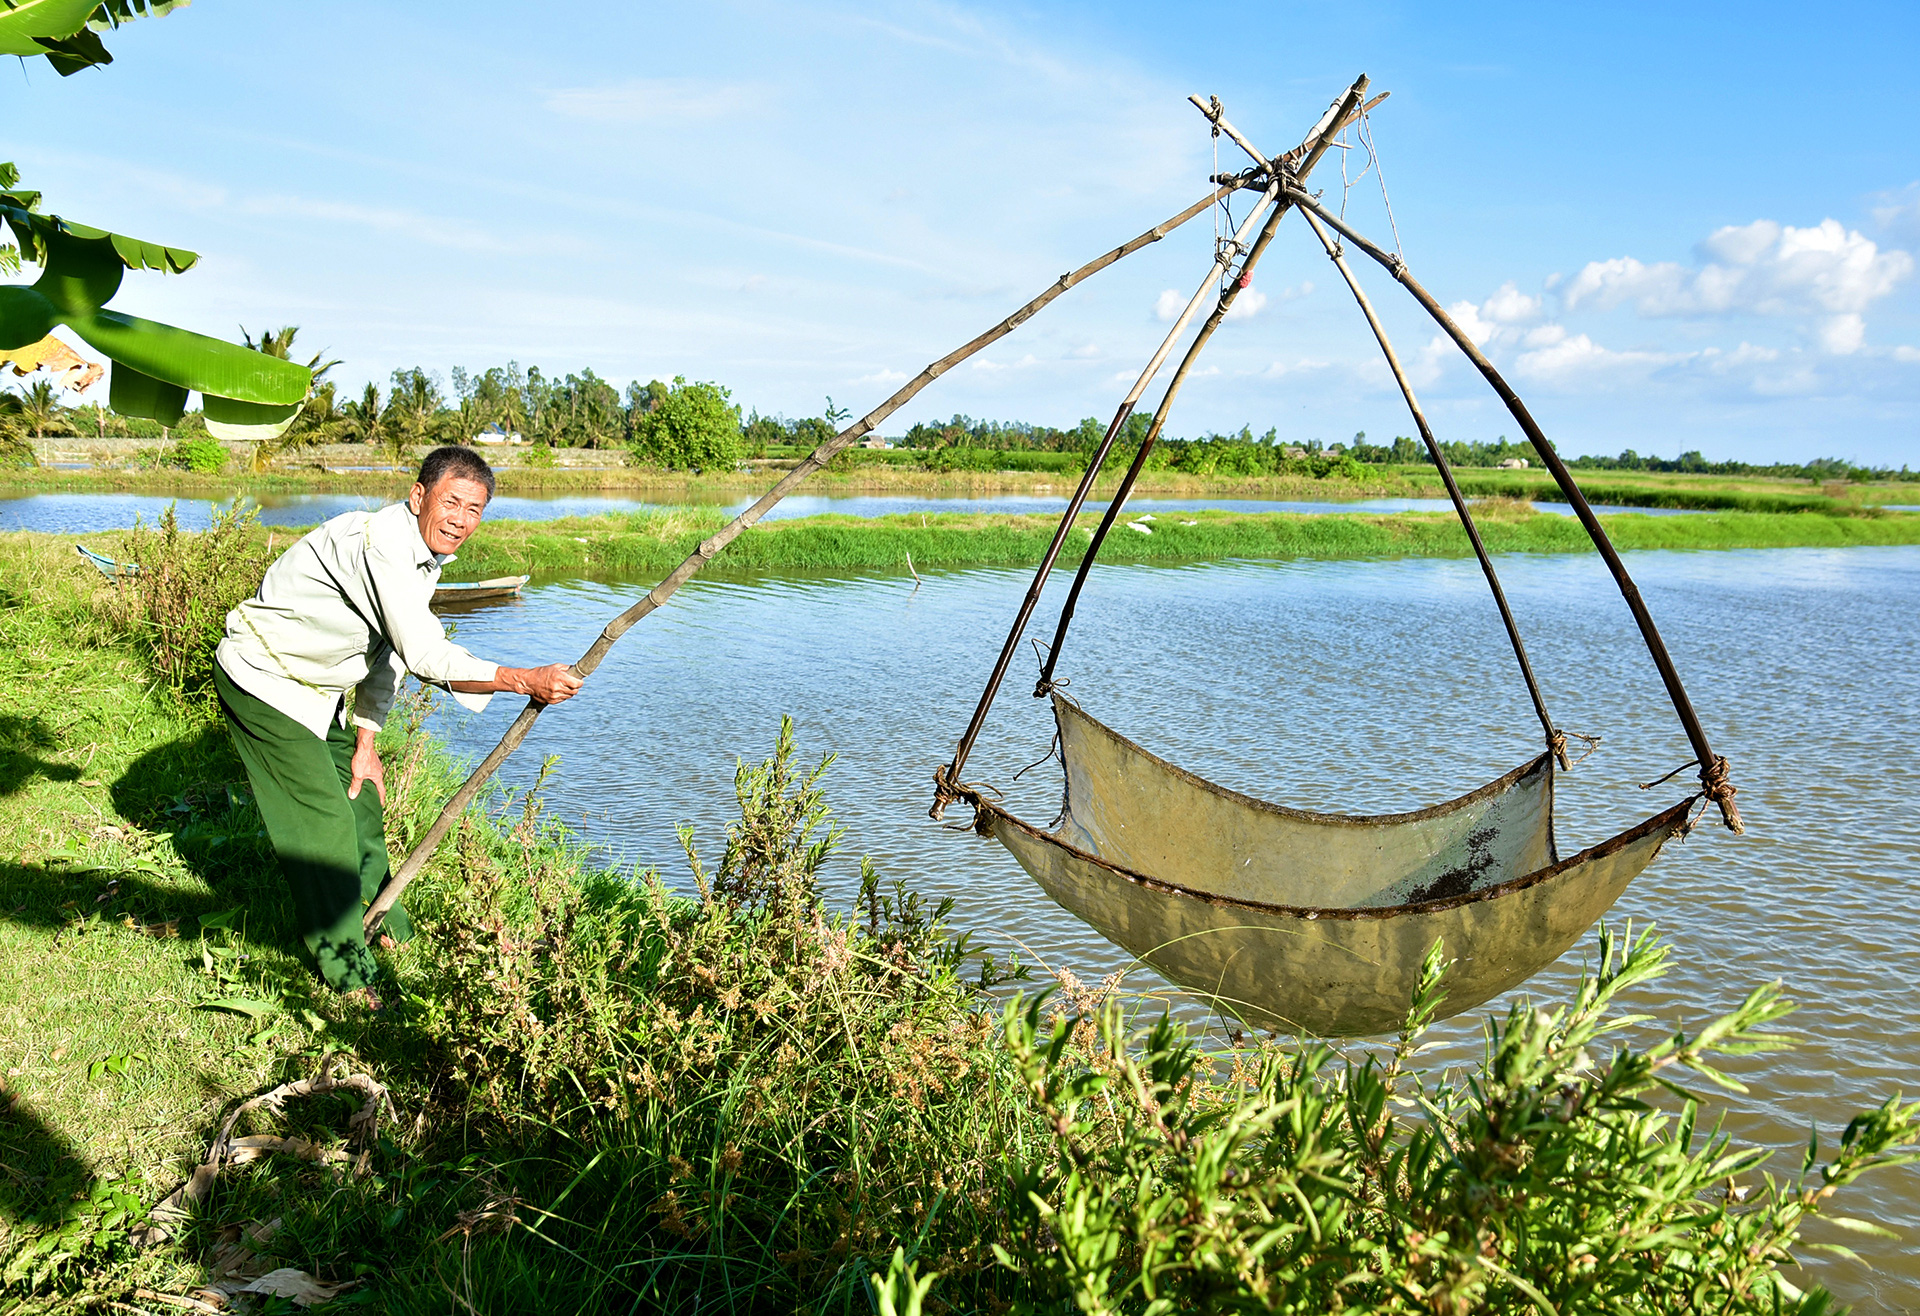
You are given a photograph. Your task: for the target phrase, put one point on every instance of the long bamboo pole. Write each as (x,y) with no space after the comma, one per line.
(711,547)
(1556,741)
(1125,489)
(946,780)
(1714,780)
(947,784)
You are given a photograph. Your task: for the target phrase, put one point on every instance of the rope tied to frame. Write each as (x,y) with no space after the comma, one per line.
(1716,786)
(1557,743)
(972,793)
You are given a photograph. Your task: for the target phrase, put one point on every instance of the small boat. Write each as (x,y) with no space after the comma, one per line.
(109,568)
(476,591)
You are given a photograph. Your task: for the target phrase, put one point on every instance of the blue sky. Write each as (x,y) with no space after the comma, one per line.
(1674,226)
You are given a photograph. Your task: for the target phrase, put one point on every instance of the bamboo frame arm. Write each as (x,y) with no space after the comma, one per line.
(1714,779)
(1556,741)
(711,547)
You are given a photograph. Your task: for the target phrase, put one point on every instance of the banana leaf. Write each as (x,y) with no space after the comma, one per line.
(246,421)
(133,394)
(64,30)
(24,22)
(26,316)
(249,394)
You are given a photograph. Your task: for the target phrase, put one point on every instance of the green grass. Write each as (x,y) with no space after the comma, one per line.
(656,542)
(897,472)
(613,1098)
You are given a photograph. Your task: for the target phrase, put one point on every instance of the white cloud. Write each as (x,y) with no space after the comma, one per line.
(1510,306)
(1472,323)
(1911,355)
(1842,335)
(1085,352)
(1577,359)
(882,377)
(1169,304)
(1248,304)
(654,100)
(1899,213)
(1762,268)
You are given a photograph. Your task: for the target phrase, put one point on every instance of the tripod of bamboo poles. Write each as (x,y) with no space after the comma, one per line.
(1269,175)
(711,547)
(1716,784)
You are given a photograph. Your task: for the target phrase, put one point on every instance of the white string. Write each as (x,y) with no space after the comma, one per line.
(1373,161)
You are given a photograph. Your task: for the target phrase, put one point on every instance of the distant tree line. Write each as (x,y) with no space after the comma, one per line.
(696,426)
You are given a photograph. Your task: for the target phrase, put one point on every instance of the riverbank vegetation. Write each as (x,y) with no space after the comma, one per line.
(652,543)
(715,1093)
(694,426)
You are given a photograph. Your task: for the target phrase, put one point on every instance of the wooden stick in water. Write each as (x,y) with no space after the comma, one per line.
(711,547)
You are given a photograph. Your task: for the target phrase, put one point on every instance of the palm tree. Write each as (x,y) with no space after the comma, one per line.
(279,343)
(365,421)
(318,420)
(14,448)
(41,410)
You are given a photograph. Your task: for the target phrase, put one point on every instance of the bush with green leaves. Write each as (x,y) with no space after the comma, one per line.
(688,427)
(174,605)
(203,455)
(1554,1179)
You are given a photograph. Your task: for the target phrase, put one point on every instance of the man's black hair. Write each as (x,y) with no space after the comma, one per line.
(460,463)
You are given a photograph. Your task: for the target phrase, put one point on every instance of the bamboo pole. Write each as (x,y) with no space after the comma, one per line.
(947,779)
(947,783)
(1555,740)
(1714,781)
(709,548)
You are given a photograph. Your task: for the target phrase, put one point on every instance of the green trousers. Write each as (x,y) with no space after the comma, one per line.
(333,850)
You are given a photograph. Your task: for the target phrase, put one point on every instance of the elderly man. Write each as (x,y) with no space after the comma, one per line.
(308,670)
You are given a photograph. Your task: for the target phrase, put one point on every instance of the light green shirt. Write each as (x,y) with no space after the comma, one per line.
(344,609)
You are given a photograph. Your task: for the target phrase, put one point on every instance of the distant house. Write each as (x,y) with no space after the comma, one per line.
(1294,454)
(875,441)
(1514,464)
(494,434)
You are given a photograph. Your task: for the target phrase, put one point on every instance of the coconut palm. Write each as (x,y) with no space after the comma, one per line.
(365,421)
(318,420)
(15,448)
(40,409)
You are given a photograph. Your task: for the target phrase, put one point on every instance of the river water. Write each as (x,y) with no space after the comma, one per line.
(83,513)
(1346,686)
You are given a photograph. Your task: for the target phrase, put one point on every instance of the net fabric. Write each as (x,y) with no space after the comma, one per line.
(1309,922)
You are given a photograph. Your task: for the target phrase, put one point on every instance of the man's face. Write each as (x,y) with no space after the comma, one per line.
(448,512)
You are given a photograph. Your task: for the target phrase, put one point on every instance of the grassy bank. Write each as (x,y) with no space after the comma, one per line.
(652,543)
(1628,488)
(612,1097)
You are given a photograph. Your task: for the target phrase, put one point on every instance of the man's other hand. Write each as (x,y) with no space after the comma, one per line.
(367,766)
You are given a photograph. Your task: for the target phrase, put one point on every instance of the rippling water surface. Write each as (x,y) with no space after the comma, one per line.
(1349,686)
(82,513)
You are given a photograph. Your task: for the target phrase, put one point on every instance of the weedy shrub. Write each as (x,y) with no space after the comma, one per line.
(738,1079)
(1548,1181)
(733,1100)
(203,455)
(175,604)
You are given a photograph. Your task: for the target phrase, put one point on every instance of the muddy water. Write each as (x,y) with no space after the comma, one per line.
(1349,686)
